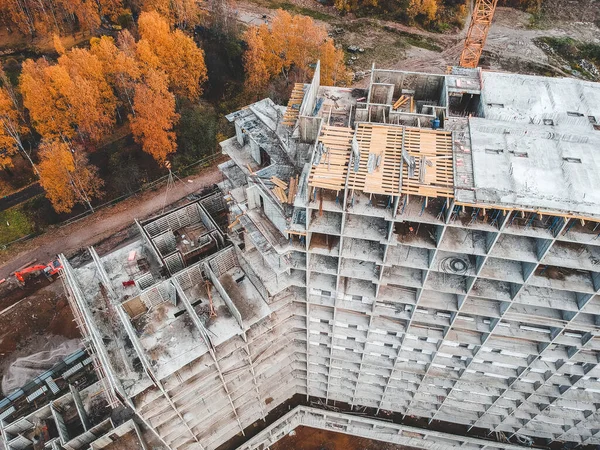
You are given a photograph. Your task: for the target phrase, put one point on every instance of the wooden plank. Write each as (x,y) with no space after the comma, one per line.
(276,181)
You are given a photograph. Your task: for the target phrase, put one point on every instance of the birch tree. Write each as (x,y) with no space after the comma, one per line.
(67,177)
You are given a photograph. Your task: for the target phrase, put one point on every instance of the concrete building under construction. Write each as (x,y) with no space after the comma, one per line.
(427,246)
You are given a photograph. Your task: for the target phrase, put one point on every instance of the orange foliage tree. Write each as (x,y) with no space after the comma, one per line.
(90,96)
(179,13)
(35,17)
(67,177)
(333,67)
(70,98)
(255,60)
(292,41)
(44,88)
(12,125)
(121,68)
(352,5)
(172,52)
(425,8)
(112,9)
(9,130)
(152,125)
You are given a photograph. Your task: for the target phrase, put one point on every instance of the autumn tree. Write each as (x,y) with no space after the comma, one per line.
(120,67)
(45,94)
(333,67)
(12,124)
(257,75)
(70,98)
(305,41)
(291,42)
(12,128)
(112,9)
(152,125)
(8,120)
(126,43)
(172,52)
(353,5)
(425,8)
(178,13)
(66,176)
(90,96)
(44,17)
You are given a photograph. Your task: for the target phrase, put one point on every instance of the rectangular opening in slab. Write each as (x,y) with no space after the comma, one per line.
(464,104)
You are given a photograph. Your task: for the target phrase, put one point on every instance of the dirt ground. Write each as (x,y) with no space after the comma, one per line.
(40,321)
(509,47)
(306,438)
(129,441)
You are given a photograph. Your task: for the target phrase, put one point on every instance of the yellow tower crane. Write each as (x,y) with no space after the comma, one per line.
(481,21)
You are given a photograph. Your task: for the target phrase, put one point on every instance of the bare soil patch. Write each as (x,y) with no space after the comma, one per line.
(42,320)
(306,438)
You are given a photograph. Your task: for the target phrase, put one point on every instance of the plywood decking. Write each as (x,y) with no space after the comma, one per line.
(436,147)
(385,142)
(331,171)
(293,108)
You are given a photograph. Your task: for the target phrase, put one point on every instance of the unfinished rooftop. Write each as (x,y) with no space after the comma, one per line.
(489,140)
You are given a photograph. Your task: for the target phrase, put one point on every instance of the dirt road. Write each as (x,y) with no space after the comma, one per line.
(104,223)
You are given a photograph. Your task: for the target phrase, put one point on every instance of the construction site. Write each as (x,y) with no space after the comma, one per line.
(415,263)
(426,248)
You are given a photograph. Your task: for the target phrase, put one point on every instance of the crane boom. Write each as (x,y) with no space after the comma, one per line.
(481,21)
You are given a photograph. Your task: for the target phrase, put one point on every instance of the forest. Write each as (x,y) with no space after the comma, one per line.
(144,93)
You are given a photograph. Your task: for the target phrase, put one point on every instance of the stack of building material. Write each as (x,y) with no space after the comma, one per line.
(401,101)
(293,108)
(279,189)
(285,192)
(293,189)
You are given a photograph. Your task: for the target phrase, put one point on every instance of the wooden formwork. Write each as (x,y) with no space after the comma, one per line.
(385,143)
(331,171)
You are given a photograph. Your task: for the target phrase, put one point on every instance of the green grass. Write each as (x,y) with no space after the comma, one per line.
(539,21)
(419,41)
(416,40)
(14,224)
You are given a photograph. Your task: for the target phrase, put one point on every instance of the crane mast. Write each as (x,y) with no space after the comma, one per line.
(481,20)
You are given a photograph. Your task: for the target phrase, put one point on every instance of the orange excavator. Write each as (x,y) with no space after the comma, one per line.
(49,270)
